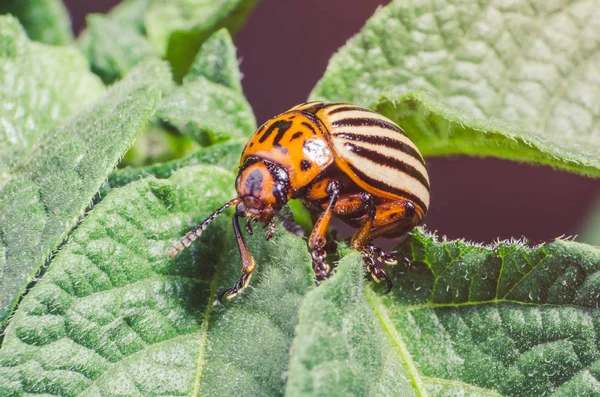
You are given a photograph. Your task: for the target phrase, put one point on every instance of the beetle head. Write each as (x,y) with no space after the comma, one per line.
(263,188)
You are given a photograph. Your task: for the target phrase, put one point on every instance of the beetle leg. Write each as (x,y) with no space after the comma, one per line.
(318,238)
(390,258)
(290,225)
(249,226)
(271,231)
(363,236)
(248,264)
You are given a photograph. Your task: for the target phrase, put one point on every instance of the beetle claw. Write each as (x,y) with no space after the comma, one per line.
(236,289)
(377,273)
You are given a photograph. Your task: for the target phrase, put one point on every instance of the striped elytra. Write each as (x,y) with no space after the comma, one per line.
(342,161)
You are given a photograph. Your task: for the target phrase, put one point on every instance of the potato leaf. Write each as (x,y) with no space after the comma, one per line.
(115,316)
(467,320)
(40,86)
(516,80)
(42,200)
(210,106)
(178,28)
(46,21)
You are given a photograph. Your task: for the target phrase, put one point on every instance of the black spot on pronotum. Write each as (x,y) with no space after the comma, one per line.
(310,127)
(296,135)
(281,125)
(305,165)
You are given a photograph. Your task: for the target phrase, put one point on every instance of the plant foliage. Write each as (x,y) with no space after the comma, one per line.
(110,314)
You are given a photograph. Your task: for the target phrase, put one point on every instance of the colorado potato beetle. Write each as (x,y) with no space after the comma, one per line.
(341,160)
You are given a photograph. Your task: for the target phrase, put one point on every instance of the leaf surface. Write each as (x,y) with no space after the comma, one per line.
(210,106)
(178,28)
(516,80)
(40,86)
(226,155)
(208,112)
(43,199)
(115,316)
(113,48)
(46,21)
(217,62)
(469,320)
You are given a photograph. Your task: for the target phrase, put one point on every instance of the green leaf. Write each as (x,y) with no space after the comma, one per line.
(210,107)
(44,20)
(178,28)
(467,320)
(115,316)
(43,199)
(590,232)
(40,86)
(130,13)
(157,144)
(208,112)
(113,47)
(226,155)
(514,80)
(217,62)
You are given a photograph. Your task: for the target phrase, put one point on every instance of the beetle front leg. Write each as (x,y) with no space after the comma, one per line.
(318,237)
(248,264)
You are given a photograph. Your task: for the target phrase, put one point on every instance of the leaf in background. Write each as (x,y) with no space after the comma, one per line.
(113,48)
(208,112)
(115,316)
(40,86)
(210,106)
(226,155)
(590,232)
(178,28)
(43,199)
(46,21)
(516,80)
(130,13)
(217,62)
(157,144)
(511,320)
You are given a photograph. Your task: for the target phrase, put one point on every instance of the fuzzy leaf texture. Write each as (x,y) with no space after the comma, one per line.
(115,316)
(512,79)
(113,48)
(40,86)
(210,106)
(467,320)
(46,21)
(178,28)
(44,197)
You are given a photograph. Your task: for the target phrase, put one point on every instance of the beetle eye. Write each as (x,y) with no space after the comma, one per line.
(239,209)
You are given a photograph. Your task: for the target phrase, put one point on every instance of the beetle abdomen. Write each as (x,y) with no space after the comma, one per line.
(376,153)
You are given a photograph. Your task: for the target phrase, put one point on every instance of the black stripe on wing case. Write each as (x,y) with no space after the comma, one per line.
(349,109)
(383,141)
(387,188)
(313,107)
(388,161)
(367,122)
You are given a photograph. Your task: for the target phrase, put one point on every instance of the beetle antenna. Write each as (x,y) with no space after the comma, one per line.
(196,232)
(290,225)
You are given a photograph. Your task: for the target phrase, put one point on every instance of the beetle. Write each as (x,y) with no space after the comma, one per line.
(341,160)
